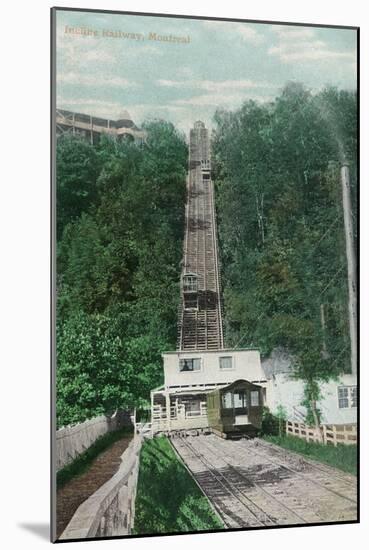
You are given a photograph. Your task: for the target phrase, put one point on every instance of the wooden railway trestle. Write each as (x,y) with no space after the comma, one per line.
(200,327)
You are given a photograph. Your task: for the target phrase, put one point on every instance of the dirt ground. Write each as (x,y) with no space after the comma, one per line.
(254,483)
(78,489)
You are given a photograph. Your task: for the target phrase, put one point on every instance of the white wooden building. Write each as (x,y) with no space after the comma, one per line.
(338,404)
(180,403)
(189,375)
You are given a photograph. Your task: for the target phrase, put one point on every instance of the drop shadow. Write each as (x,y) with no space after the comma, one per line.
(42,530)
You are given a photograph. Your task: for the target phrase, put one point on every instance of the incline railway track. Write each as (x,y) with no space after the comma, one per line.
(249,511)
(317,480)
(294,462)
(250,487)
(201,328)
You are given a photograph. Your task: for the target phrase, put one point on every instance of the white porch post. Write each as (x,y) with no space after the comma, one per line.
(152,414)
(167,407)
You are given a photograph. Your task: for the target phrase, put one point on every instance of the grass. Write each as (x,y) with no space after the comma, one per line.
(81,464)
(168,499)
(343,457)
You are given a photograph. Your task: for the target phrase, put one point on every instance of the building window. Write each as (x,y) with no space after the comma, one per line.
(254,398)
(225,363)
(354,396)
(186,365)
(347,397)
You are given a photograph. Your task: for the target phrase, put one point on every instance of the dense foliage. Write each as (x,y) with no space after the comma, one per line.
(120,219)
(168,499)
(281,226)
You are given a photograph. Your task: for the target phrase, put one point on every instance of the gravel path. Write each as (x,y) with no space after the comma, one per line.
(78,489)
(253,483)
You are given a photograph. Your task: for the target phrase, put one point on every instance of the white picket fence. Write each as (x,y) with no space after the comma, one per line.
(330,434)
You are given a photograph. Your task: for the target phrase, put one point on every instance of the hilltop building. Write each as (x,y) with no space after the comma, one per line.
(92,127)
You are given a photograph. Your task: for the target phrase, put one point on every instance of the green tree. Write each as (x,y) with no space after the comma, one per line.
(281,228)
(77,170)
(118,268)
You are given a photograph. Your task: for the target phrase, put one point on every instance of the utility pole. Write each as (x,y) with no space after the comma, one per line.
(325,354)
(351,262)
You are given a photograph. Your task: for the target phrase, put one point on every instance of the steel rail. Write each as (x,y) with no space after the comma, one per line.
(324,468)
(217,276)
(201,329)
(229,487)
(256,485)
(300,475)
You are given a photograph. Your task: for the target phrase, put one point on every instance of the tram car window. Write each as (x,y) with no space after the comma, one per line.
(227,402)
(190,290)
(190,282)
(235,410)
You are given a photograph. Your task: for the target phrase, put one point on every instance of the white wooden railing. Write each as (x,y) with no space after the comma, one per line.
(178,417)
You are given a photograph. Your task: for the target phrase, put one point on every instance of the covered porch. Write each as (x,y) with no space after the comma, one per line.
(178,409)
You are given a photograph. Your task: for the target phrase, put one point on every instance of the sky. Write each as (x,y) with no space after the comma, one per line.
(114,66)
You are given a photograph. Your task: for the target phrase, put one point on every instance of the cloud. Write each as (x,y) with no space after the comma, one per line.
(146,110)
(220,98)
(311,54)
(112,109)
(300,44)
(98,55)
(244,30)
(94,107)
(82,101)
(211,85)
(293,33)
(218,92)
(94,80)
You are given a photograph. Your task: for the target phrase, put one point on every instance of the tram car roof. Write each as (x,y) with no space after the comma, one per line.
(234,385)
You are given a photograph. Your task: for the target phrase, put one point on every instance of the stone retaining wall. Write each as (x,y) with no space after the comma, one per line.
(110,510)
(73,440)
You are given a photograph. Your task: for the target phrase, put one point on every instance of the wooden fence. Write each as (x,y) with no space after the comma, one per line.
(330,434)
(110,510)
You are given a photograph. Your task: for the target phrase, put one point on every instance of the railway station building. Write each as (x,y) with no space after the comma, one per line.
(189,375)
